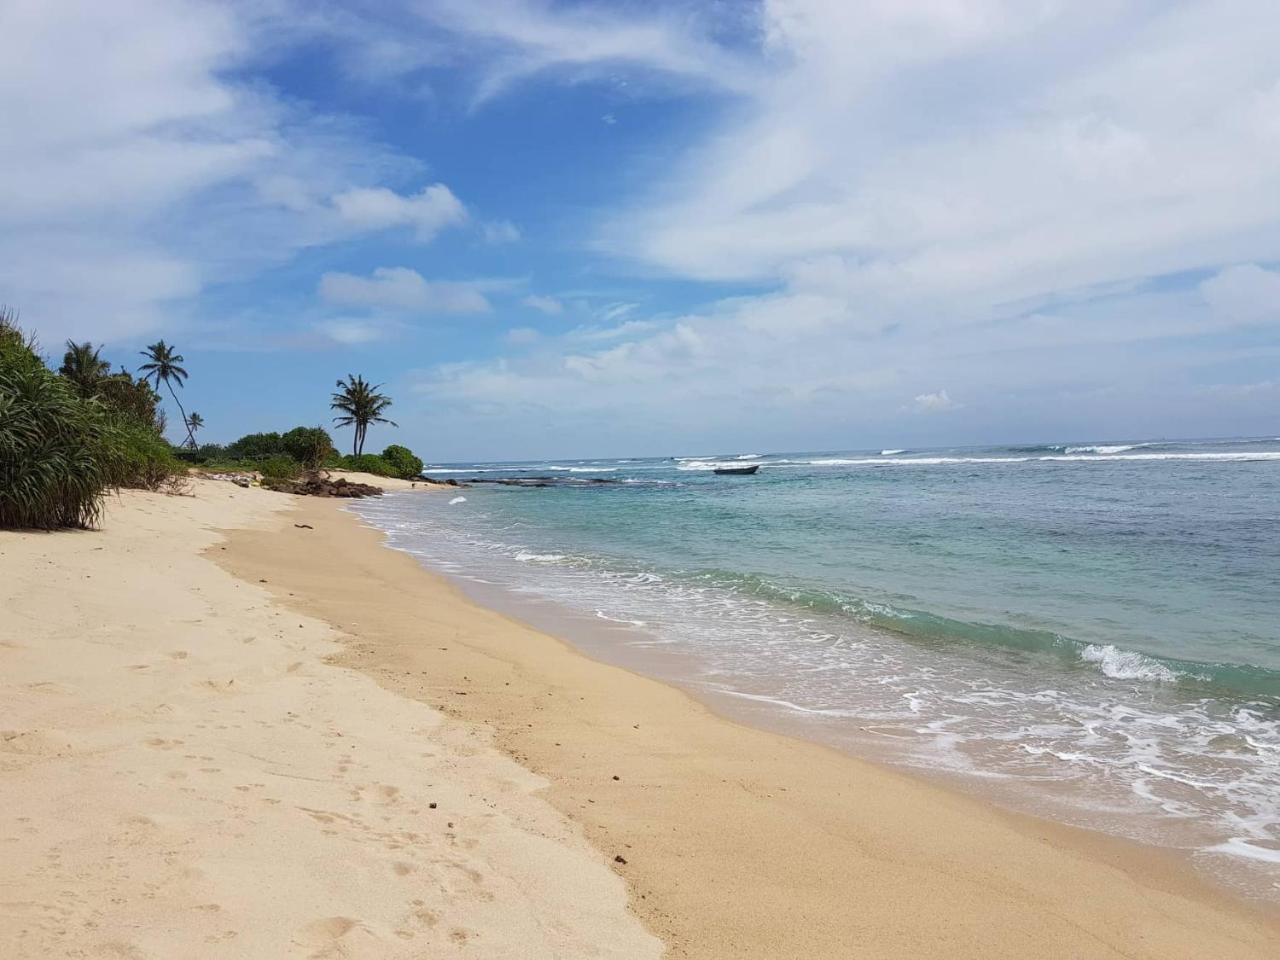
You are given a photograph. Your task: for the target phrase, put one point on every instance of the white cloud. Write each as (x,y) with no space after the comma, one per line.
(1015,155)
(402,289)
(500,231)
(151,163)
(428,212)
(1245,293)
(938,402)
(350,332)
(548,305)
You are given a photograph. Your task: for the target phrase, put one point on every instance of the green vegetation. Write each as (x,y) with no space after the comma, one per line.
(369,463)
(194,423)
(164,365)
(256,446)
(54,443)
(407,466)
(280,467)
(359,404)
(310,446)
(82,366)
(68,437)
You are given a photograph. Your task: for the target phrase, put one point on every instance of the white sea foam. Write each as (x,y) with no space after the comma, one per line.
(631,623)
(525,556)
(891,453)
(457,500)
(1126,664)
(1101,448)
(1243,847)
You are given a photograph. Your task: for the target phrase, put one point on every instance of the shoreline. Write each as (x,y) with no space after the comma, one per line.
(1236,881)
(733,795)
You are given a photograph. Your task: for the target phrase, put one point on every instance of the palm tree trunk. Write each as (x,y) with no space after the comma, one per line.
(190,436)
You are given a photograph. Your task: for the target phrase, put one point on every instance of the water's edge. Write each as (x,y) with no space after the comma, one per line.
(613,643)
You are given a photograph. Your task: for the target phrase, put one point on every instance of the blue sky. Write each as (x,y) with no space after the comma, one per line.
(559,229)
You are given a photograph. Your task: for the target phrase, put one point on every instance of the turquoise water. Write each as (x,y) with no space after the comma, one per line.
(1090,624)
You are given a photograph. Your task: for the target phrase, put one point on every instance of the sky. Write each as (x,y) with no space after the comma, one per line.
(558,229)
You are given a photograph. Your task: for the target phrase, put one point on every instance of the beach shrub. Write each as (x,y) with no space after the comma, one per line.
(54,444)
(403,461)
(310,446)
(369,463)
(138,456)
(280,467)
(256,446)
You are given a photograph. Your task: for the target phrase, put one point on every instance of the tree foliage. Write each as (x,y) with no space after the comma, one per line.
(84,368)
(164,365)
(402,459)
(256,446)
(359,404)
(310,446)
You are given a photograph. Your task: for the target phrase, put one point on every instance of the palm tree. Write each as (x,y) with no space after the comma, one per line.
(165,366)
(83,367)
(359,404)
(194,423)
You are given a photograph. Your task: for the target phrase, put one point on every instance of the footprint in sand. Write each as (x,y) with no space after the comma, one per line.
(331,937)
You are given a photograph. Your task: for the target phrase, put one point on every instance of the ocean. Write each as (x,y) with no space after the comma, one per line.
(1086,631)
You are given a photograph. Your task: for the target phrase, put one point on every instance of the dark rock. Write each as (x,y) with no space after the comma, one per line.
(316,485)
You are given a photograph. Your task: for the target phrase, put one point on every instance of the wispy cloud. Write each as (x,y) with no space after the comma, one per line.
(522,38)
(402,289)
(543,304)
(500,231)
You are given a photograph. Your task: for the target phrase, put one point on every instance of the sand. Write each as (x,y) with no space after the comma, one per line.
(183,774)
(738,842)
(198,765)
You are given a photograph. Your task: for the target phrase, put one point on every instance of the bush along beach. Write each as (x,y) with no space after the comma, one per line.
(68,437)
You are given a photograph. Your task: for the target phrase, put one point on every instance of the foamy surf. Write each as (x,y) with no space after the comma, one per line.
(1126,664)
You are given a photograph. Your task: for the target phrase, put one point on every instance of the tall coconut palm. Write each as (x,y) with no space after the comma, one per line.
(359,404)
(164,365)
(194,423)
(83,367)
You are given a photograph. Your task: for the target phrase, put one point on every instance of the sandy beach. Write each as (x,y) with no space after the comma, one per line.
(185,773)
(236,725)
